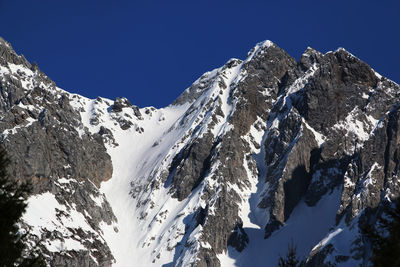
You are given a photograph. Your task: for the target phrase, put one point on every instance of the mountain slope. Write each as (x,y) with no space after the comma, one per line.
(252,155)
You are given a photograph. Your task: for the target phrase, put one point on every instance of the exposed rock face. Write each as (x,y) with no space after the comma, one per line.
(324,123)
(336,106)
(48,145)
(248,148)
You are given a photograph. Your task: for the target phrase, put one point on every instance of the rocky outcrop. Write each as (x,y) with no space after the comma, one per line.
(8,55)
(251,142)
(329,131)
(48,145)
(223,157)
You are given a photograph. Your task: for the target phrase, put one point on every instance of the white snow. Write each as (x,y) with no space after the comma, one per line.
(14,130)
(252,216)
(43,213)
(153,227)
(318,137)
(328,238)
(378,75)
(142,241)
(304,232)
(369,179)
(97,199)
(65,181)
(302,81)
(258,49)
(344,50)
(230,77)
(19,68)
(150,222)
(358,124)
(58,245)
(342,237)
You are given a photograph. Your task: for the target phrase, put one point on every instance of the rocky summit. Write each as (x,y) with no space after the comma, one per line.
(255,154)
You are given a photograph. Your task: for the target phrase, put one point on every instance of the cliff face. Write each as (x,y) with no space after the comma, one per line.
(252,155)
(48,145)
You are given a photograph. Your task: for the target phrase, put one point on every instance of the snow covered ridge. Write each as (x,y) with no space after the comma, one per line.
(252,155)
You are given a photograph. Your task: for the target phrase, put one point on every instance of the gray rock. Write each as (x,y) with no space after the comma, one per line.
(328,120)
(40,134)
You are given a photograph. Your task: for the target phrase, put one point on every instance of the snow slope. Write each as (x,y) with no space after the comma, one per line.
(155,229)
(150,222)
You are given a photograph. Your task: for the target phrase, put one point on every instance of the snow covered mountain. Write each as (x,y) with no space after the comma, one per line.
(253,155)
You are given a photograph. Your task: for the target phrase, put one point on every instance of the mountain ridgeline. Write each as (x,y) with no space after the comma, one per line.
(253,155)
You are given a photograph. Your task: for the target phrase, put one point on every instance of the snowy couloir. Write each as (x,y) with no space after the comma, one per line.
(253,155)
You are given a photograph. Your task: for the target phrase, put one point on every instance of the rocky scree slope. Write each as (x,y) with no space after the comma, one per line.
(252,155)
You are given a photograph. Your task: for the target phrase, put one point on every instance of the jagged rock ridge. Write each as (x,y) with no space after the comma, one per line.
(253,154)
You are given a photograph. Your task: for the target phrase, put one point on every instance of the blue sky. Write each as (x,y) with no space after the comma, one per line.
(150,51)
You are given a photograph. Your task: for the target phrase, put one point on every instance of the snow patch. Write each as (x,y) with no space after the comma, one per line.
(44,212)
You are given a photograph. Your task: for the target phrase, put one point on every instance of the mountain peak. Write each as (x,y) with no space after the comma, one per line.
(311,51)
(258,48)
(8,54)
(252,154)
(4,42)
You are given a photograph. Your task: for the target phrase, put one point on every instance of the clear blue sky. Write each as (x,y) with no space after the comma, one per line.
(150,51)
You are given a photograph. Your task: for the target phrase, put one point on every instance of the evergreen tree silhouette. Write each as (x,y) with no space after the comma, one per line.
(13,241)
(385,237)
(291,259)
